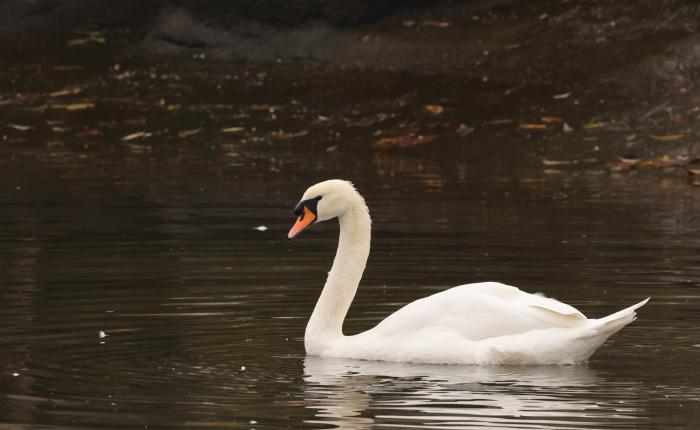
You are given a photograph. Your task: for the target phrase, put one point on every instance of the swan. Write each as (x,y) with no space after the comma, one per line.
(486,323)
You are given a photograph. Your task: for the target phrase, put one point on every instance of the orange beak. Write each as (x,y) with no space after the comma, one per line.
(303,222)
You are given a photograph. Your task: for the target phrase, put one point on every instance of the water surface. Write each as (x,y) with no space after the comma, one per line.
(155,245)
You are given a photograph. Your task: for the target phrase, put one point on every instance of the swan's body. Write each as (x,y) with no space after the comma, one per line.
(483,323)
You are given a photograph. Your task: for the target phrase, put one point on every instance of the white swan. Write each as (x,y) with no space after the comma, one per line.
(483,323)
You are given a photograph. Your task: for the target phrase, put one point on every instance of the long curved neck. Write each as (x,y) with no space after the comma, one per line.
(350,260)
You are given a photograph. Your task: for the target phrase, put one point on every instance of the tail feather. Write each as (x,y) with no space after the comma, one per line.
(614,322)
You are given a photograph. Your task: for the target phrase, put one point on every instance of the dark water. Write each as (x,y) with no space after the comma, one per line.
(155,246)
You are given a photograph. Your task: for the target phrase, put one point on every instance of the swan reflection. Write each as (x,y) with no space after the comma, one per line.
(353,394)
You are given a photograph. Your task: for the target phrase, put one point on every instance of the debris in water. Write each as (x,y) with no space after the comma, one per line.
(136,135)
(101,334)
(630,159)
(464,130)
(73,106)
(88,133)
(242,368)
(532,126)
(434,109)
(561,96)
(19,127)
(557,162)
(551,119)
(15,374)
(499,121)
(694,166)
(667,137)
(66,92)
(403,141)
(431,23)
(188,133)
(566,128)
(260,228)
(232,129)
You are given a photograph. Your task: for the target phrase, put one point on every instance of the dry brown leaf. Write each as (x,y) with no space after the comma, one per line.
(434,109)
(667,137)
(188,133)
(74,106)
(233,129)
(551,119)
(694,166)
(532,126)
(593,125)
(89,133)
(547,162)
(404,141)
(139,120)
(464,130)
(431,23)
(499,121)
(262,107)
(66,92)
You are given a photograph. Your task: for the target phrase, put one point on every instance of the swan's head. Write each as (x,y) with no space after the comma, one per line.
(323,201)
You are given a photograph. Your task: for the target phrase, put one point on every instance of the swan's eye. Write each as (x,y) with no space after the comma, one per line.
(312,204)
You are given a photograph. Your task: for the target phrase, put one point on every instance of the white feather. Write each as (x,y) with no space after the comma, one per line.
(483,323)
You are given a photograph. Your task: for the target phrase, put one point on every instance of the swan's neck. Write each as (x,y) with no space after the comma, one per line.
(326,322)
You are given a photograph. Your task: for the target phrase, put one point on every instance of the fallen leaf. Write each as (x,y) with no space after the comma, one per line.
(20,127)
(664,161)
(561,96)
(89,133)
(621,167)
(404,141)
(667,137)
(551,119)
(66,92)
(136,121)
(499,121)
(188,133)
(434,109)
(464,130)
(74,106)
(262,107)
(694,166)
(593,125)
(233,129)
(431,23)
(78,42)
(630,159)
(133,136)
(284,135)
(566,128)
(557,162)
(532,126)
